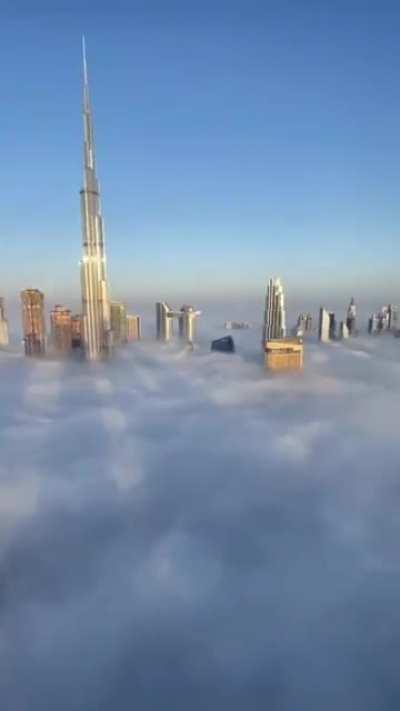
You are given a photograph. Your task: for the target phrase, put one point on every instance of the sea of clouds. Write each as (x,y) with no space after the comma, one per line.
(181,531)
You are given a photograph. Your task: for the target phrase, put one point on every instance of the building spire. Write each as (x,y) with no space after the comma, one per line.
(97,337)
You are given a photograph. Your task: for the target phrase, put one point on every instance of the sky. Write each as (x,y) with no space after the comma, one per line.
(183,531)
(235,141)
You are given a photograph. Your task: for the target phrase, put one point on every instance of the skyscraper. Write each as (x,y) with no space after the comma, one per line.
(133,328)
(33,322)
(61,329)
(118,322)
(187,323)
(327,325)
(97,335)
(76,331)
(274,314)
(351,318)
(4,338)
(165,321)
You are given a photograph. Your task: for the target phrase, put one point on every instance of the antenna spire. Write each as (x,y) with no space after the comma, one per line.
(85,72)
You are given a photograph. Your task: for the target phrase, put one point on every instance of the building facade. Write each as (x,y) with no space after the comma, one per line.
(33,322)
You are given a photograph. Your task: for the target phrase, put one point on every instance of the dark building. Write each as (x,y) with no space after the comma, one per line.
(223,345)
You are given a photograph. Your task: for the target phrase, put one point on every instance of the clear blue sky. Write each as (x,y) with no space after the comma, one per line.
(234,140)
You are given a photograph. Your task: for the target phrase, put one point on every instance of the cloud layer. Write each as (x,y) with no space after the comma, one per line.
(181,531)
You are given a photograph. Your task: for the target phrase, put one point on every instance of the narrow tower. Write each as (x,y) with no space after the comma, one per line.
(274,314)
(97,335)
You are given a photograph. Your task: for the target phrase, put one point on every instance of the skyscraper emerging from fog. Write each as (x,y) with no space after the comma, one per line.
(274,314)
(4,338)
(61,329)
(33,322)
(96,326)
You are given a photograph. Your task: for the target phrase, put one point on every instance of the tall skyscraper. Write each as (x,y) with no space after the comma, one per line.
(274,314)
(118,322)
(4,338)
(133,328)
(165,321)
(187,323)
(303,326)
(76,331)
(327,325)
(187,317)
(96,322)
(351,318)
(33,322)
(61,329)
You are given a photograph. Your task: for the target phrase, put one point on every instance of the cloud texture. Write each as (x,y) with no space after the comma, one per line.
(181,531)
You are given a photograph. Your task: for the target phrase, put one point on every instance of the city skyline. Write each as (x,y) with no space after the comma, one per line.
(203,200)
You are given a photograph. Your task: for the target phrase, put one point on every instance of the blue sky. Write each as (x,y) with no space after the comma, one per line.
(234,141)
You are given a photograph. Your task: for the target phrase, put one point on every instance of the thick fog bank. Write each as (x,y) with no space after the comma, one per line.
(182,531)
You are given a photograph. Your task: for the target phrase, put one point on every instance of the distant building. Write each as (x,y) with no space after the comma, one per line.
(351,318)
(33,322)
(76,331)
(237,325)
(344,330)
(223,345)
(118,323)
(274,314)
(133,328)
(283,354)
(61,329)
(387,319)
(165,321)
(326,326)
(187,323)
(303,326)
(4,337)
(165,315)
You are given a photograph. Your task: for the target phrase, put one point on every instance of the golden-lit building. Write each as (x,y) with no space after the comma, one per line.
(33,322)
(61,329)
(133,328)
(283,354)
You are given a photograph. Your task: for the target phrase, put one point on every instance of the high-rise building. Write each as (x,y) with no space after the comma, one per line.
(327,325)
(351,318)
(76,331)
(96,322)
(4,337)
(133,328)
(274,314)
(282,354)
(164,321)
(118,323)
(187,323)
(186,317)
(226,344)
(344,332)
(33,322)
(386,319)
(303,326)
(61,329)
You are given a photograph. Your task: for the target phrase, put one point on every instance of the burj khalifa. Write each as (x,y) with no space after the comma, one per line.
(97,335)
